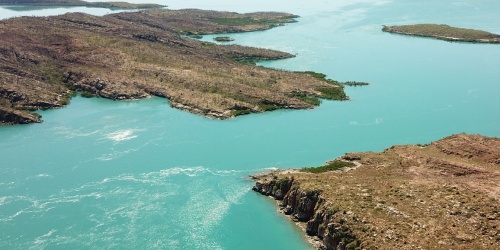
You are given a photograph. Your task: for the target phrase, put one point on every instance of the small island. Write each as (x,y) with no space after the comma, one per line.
(80,3)
(433,196)
(444,32)
(223,39)
(355,83)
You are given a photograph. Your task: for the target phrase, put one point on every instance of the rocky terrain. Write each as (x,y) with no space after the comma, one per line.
(444,32)
(445,195)
(134,55)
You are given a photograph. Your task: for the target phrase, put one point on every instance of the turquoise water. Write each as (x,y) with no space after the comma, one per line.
(128,175)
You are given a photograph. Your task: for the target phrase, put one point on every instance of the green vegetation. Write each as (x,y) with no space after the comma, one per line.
(66,99)
(444,32)
(268,106)
(223,39)
(354,83)
(51,72)
(333,93)
(306,98)
(321,76)
(246,60)
(331,166)
(195,36)
(87,94)
(281,183)
(316,74)
(333,210)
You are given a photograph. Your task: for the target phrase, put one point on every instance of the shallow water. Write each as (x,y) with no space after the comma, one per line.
(108,174)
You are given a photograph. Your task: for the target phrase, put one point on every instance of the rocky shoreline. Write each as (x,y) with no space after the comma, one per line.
(307,209)
(44,61)
(440,195)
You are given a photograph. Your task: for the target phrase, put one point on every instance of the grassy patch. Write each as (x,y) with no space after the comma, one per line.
(334,165)
(321,76)
(267,107)
(246,60)
(281,183)
(223,39)
(316,75)
(354,83)
(306,98)
(52,72)
(333,93)
(87,94)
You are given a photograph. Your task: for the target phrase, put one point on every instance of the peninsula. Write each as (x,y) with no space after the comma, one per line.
(444,195)
(444,32)
(80,3)
(44,61)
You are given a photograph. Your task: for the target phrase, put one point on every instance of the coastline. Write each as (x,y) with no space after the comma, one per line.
(135,55)
(267,176)
(132,178)
(390,199)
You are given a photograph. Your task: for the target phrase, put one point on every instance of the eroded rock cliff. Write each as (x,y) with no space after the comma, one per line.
(307,206)
(442,195)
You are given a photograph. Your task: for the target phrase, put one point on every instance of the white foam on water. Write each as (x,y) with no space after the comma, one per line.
(210,200)
(121,135)
(42,241)
(70,133)
(134,210)
(377,120)
(116,154)
(38,176)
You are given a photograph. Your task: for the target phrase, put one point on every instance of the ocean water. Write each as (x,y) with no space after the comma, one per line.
(103,174)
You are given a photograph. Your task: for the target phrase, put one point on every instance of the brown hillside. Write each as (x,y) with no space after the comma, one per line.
(445,195)
(139,54)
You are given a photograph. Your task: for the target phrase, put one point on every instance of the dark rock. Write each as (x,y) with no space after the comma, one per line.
(11,116)
(308,206)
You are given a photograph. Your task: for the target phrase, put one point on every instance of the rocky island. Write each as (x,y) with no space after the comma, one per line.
(444,32)
(44,61)
(223,39)
(80,3)
(444,195)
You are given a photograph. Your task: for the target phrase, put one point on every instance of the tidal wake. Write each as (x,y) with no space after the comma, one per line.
(171,208)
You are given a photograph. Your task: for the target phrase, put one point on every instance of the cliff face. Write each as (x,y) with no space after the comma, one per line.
(11,116)
(442,195)
(307,206)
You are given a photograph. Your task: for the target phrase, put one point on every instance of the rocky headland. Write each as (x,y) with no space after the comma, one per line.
(444,32)
(44,61)
(444,195)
